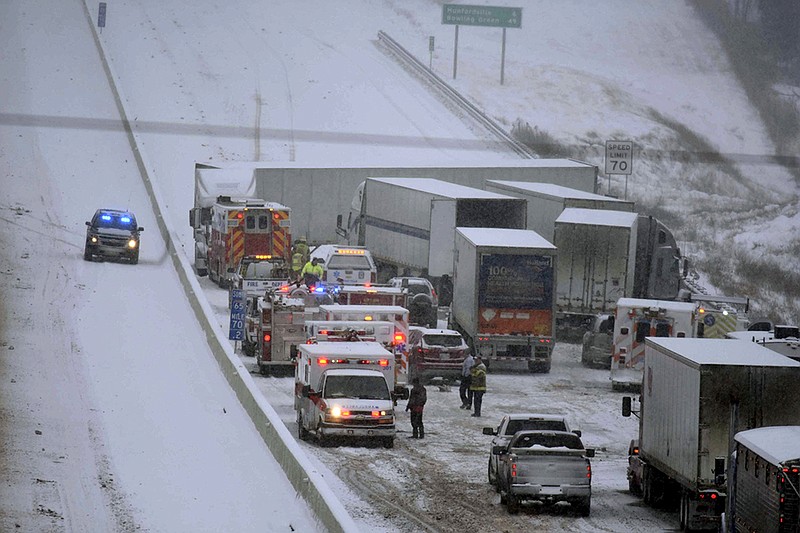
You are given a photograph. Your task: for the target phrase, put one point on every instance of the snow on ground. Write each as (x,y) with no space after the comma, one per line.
(106,362)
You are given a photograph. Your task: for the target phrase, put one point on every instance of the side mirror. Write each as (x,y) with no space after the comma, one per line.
(489,431)
(499,450)
(140,228)
(578,432)
(305,392)
(88,223)
(589,452)
(626,405)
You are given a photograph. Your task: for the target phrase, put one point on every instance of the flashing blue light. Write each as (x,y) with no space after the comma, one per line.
(125,220)
(107,218)
(319,289)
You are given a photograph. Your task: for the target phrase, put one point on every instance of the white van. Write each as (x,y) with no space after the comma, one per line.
(346,265)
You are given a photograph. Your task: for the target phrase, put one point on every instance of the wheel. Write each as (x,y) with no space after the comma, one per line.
(87,254)
(492,475)
(634,487)
(646,491)
(302,432)
(135,259)
(262,369)
(512,504)
(684,511)
(584,507)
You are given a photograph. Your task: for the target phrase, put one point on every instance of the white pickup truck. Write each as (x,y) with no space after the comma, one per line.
(545,466)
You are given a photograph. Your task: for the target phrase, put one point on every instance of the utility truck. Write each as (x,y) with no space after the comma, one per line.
(409,223)
(696,395)
(343,389)
(764,481)
(503,301)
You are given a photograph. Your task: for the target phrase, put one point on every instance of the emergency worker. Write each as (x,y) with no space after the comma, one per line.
(301,247)
(312,272)
(478,384)
(297,264)
(466,379)
(416,404)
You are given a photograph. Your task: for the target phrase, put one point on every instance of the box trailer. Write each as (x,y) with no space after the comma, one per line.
(696,395)
(503,301)
(409,223)
(546,201)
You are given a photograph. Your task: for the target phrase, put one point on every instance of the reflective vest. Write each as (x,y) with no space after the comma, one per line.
(297,261)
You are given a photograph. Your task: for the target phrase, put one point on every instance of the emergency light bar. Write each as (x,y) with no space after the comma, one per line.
(263,256)
(349,251)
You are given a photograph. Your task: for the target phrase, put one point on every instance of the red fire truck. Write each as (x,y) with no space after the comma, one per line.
(241,227)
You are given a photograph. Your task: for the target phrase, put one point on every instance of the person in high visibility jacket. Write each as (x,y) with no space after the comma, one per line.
(478,384)
(301,247)
(312,272)
(297,265)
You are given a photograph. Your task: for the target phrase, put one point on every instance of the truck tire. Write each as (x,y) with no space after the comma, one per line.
(492,477)
(512,504)
(87,255)
(583,507)
(302,432)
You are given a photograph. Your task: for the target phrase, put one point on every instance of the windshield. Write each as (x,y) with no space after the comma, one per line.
(534,425)
(361,387)
(262,270)
(548,440)
(448,341)
(418,288)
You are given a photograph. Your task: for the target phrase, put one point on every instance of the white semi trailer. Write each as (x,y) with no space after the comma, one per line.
(696,395)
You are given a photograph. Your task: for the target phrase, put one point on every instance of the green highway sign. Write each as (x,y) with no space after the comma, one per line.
(464,15)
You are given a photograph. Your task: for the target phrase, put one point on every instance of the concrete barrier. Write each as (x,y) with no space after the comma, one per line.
(306,480)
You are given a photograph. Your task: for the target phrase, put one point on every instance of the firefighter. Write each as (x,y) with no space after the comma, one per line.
(300,247)
(297,264)
(416,404)
(312,272)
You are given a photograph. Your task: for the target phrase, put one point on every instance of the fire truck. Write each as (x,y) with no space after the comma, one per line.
(371,295)
(275,326)
(239,227)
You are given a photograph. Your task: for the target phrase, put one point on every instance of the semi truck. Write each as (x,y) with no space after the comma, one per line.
(696,395)
(343,390)
(503,299)
(318,193)
(605,255)
(409,223)
(764,481)
(546,201)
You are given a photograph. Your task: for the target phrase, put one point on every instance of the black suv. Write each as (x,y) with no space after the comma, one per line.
(112,233)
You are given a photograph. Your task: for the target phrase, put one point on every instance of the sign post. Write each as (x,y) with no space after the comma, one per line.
(494,16)
(236,328)
(619,160)
(101,17)
(430,49)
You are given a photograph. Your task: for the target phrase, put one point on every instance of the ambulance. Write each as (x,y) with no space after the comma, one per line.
(343,390)
(346,265)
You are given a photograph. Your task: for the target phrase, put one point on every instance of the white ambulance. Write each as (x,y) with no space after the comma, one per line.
(342,389)
(346,265)
(635,319)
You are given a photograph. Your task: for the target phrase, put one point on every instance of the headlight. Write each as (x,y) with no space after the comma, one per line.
(132,243)
(93,238)
(336,411)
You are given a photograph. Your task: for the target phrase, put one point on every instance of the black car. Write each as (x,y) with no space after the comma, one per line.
(112,234)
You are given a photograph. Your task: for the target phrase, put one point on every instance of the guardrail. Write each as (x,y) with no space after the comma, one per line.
(454,96)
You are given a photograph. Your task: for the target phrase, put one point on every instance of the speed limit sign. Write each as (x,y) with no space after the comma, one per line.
(619,157)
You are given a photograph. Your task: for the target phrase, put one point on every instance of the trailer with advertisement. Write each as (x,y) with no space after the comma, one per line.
(503,300)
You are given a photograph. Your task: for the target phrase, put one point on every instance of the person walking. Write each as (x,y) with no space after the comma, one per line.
(466,378)
(478,384)
(416,404)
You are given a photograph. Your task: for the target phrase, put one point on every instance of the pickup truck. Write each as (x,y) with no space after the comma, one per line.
(513,422)
(545,466)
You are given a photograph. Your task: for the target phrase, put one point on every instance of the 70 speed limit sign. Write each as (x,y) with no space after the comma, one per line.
(619,157)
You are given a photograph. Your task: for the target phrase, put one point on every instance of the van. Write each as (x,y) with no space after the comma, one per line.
(346,265)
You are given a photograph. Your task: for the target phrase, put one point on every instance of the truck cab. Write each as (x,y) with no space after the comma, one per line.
(343,390)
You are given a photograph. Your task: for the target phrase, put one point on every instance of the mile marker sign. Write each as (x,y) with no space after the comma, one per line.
(619,157)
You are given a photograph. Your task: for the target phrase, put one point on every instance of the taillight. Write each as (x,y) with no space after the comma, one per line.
(589,471)
(267,337)
(383,362)
(513,470)
(399,338)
